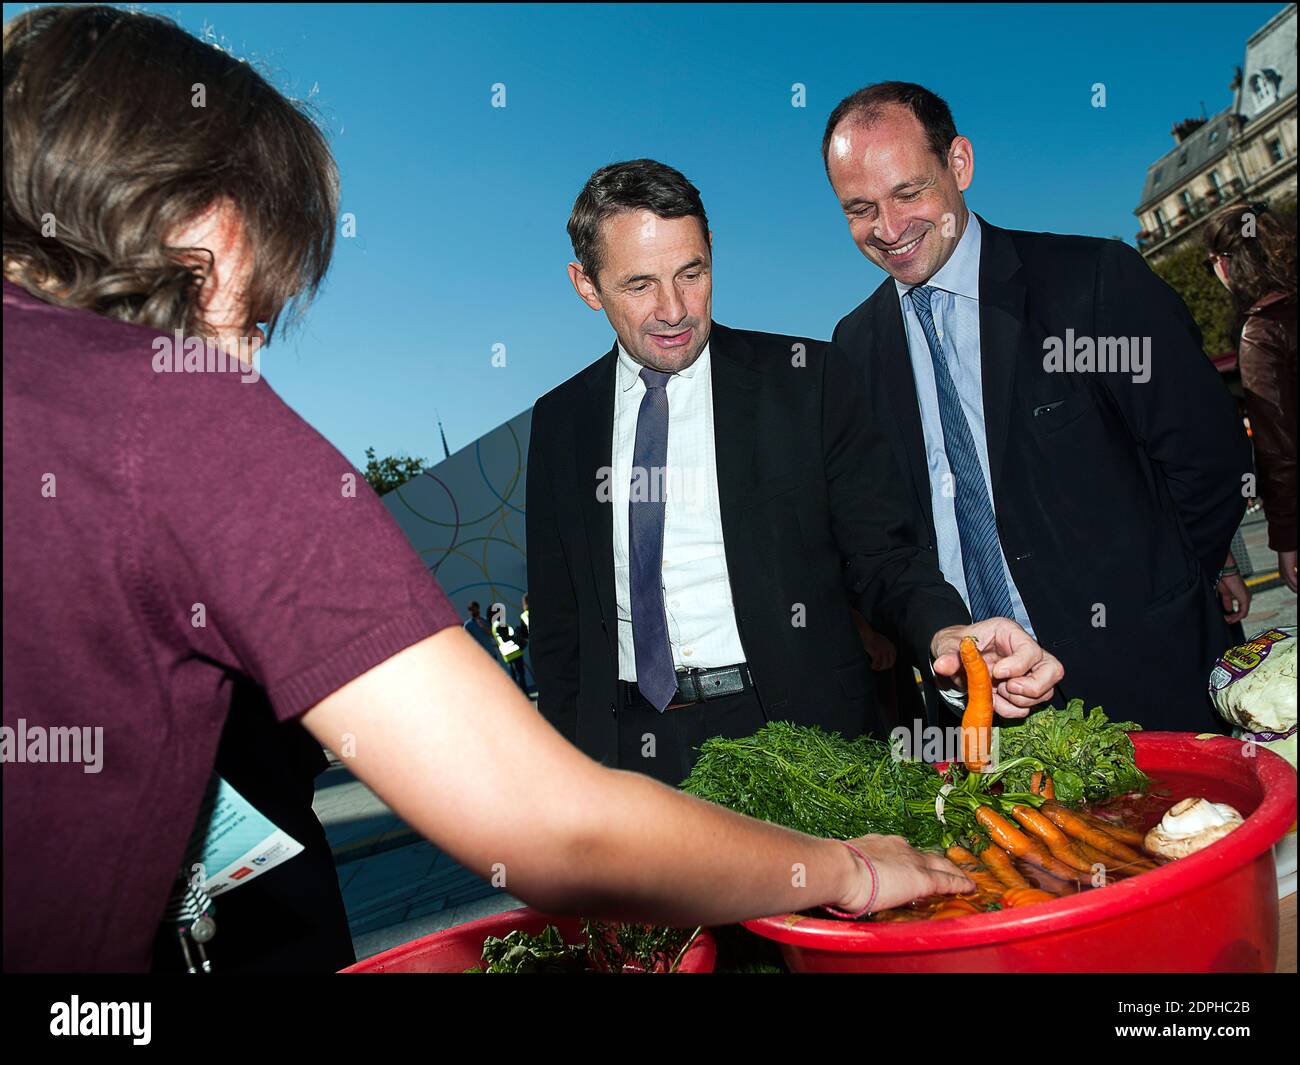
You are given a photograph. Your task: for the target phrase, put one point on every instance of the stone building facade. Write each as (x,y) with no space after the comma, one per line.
(1246,152)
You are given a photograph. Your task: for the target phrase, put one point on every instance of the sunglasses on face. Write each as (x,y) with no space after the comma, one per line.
(1210,262)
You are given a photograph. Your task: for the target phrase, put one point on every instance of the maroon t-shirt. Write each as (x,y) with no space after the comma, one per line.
(164,533)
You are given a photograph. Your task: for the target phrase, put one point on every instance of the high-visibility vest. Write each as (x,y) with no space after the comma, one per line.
(506,644)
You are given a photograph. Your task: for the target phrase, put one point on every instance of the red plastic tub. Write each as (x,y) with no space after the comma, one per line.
(1215,911)
(456,949)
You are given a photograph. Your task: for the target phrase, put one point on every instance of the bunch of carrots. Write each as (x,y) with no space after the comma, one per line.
(1067,847)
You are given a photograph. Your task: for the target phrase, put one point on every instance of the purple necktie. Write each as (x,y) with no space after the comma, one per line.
(645,533)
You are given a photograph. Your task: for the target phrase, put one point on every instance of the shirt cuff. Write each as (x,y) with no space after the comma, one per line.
(955,698)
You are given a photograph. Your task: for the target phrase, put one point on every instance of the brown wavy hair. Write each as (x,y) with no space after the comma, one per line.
(1257,265)
(107,150)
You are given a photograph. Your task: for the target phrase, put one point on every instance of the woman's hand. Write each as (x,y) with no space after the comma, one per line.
(904,872)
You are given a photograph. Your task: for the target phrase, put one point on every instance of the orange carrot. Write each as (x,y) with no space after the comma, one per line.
(1049,789)
(1015,842)
(1003,867)
(1099,838)
(989,885)
(955,908)
(1124,835)
(1035,782)
(1056,886)
(1057,841)
(1112,864)
(1025,897)
(977,721)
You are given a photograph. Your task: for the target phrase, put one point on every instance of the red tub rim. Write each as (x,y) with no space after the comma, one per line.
(1267,824)
(700,956)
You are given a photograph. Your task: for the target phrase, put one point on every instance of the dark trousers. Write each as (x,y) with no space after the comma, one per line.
(665,746)
(517,671)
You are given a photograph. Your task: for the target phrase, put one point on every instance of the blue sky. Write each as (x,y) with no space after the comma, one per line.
(460,207)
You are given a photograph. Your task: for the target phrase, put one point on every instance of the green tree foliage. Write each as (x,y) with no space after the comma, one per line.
(388,473)
(1184,271)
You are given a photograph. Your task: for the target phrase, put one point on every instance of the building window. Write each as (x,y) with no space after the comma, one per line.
(1214,136)
(1161,224)
(1216,185)
(1186,197)
(1264,87)
(1275,149)
(1182,158)
(1155,178)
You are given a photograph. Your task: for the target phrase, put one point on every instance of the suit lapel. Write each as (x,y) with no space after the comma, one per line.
(900,397)
(735,388)
(595,455)
(1002,332)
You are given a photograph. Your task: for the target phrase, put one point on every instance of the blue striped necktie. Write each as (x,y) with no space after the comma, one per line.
(981,553)
(655,676)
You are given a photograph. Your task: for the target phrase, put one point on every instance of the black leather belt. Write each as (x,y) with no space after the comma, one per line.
(695,686)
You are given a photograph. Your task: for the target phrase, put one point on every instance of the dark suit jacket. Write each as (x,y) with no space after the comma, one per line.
(813,515)
(1111,495)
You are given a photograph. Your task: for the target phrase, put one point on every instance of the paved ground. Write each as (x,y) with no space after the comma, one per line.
(1272,603)
(398,887)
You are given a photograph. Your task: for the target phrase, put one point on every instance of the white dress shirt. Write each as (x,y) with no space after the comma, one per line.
(955,305)
(697,589)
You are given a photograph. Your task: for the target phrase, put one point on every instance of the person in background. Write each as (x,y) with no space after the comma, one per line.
(511,650)
(523,636)
(1254,256)
(1233,591)
(477,626)
(1093,503)
(170,532)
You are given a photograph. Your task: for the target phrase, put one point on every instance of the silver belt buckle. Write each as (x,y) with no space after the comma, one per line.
(718,677)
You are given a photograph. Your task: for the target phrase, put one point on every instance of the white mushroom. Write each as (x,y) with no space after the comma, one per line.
(1189,826)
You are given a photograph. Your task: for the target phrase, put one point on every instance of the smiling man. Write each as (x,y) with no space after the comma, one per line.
(706,504)
(1069,450)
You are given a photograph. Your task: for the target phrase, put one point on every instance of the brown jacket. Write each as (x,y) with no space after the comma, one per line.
(1268,375)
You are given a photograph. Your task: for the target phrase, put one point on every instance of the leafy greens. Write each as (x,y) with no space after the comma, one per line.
(1089,757)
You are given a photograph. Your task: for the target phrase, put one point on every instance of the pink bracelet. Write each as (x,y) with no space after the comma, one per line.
(875,881)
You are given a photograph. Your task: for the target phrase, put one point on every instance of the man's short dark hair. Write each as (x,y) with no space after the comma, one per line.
(867,105)
(630,186)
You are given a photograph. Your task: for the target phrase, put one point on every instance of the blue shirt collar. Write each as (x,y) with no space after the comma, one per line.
(960,275)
